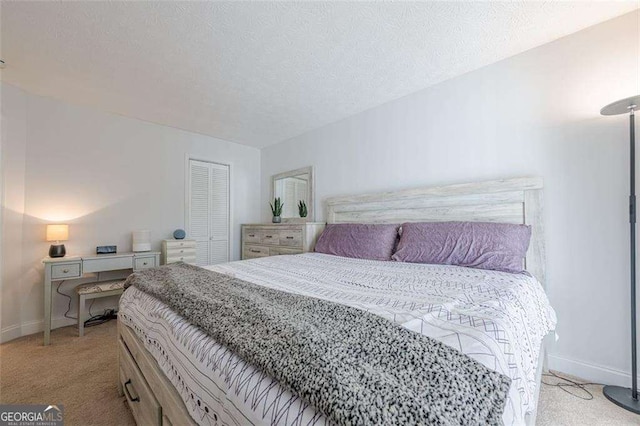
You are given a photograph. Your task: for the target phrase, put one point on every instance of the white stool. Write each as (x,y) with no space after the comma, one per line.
(94,291)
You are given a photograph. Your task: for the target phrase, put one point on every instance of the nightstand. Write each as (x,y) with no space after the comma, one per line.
(179,251)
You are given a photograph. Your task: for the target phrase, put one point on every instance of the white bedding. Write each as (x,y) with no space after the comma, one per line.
(496,318)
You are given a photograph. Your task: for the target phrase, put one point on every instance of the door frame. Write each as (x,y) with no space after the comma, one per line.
(187,199)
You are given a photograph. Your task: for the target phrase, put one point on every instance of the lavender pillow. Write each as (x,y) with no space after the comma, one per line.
(497,246)
(360,241)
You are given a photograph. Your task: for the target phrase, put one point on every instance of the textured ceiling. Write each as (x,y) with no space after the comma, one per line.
(261,72)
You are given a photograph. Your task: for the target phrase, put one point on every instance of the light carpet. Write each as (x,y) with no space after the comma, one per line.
(81,374)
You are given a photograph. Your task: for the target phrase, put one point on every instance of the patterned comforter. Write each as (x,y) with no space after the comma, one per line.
(496,318)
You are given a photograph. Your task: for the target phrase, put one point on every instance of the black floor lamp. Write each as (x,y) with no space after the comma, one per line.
(625,397)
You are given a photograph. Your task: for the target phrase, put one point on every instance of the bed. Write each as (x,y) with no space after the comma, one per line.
(173,373)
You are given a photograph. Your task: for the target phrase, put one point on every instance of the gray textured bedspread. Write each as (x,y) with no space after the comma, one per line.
(353,366)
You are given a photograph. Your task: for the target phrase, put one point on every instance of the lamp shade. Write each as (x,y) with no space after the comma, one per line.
(57,232)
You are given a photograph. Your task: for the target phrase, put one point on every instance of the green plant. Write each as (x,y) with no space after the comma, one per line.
(302,208)
(276,207)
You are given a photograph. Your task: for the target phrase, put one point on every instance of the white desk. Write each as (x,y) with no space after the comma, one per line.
(74,267)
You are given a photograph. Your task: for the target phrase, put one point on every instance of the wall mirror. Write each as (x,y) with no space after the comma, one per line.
(292,187)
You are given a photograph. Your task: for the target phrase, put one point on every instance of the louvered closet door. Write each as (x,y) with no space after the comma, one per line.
(209,211)
(219,228)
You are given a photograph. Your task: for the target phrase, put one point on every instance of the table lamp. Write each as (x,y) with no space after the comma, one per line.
(57,233)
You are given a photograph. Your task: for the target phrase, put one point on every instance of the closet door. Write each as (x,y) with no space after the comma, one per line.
(208,211)
(219,214)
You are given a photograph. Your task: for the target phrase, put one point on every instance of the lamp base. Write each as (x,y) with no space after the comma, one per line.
(57,250)
(622,397)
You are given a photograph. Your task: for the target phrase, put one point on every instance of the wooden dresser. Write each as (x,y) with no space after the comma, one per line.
(178,251)
(260,240)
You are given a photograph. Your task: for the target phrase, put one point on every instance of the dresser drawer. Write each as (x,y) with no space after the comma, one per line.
(68,270)
(252,235)
(176,244)
(144,263)
(291,238)
(270,237)
(184,258)
(144,406)
(181,252)
(251,252)
(108,263)
(275,251)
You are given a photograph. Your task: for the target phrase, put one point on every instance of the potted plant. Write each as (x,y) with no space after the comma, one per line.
(276,209)
(302,208)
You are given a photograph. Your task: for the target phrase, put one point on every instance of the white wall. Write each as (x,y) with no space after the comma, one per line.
(105,175)
(533,114)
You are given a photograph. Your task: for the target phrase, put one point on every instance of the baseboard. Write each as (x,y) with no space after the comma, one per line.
(32,327)
(591,372)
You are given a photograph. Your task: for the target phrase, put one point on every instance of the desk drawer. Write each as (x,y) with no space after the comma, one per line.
(144,406)
(110,263)
(144,263)
(68,270)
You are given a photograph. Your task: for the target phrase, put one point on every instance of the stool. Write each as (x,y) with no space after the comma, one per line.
(94,291)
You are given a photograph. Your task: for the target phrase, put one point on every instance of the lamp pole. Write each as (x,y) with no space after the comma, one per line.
(625,397)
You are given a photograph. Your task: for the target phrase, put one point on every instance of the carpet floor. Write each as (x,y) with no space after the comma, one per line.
(81,374)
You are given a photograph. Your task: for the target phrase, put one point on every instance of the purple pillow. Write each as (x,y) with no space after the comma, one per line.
(497,246)
(357,240)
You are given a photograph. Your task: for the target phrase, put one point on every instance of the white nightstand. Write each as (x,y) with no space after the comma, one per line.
(179,251)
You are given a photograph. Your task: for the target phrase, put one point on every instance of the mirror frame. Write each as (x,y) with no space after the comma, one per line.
(311,211)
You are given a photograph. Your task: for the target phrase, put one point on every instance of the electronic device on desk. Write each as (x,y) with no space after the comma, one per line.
(106,249)
(141,241)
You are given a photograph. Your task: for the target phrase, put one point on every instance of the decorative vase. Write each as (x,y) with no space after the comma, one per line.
(179,234)
(276,219)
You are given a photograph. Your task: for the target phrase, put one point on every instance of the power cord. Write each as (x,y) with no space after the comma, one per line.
(570,386)
(66,314)
(108,315)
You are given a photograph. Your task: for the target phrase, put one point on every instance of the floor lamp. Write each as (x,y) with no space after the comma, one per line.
(625,397)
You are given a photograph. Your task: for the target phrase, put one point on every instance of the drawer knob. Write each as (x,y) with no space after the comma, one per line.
(65,271)
(181,251)
(254,251)
(252,235)
(182,258)
(268,236)
(289,238)
(144,263)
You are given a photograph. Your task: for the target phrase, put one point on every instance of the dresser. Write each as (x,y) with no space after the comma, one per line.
(260,240)
(178,251)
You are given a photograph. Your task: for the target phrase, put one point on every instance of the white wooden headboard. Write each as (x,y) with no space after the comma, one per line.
(516,200)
